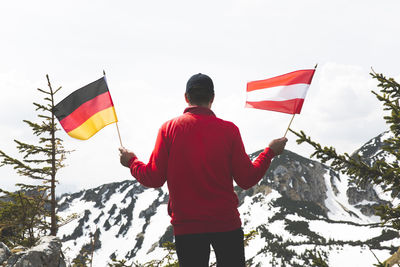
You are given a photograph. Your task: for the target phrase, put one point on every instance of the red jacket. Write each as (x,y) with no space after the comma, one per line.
(199,155)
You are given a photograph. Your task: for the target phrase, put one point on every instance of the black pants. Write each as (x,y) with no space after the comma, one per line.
(194,249)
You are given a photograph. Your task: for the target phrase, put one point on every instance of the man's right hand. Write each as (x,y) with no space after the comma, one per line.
(126,156)
(278,145)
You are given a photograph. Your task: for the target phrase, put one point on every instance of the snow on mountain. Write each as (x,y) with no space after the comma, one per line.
(129,220)
(371,152)
(300,206)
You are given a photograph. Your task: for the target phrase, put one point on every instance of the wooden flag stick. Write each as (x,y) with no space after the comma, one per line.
(119,135)
(116,123)
(289,125)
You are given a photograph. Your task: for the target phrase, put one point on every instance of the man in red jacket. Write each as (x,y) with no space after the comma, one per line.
(199,156)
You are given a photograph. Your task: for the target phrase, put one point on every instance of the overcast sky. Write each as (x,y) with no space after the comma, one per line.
(149,49)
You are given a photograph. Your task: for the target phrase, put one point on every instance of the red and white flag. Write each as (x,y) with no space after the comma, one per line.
(284,93)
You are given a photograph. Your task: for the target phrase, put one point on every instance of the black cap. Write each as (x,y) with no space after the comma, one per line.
(200,81)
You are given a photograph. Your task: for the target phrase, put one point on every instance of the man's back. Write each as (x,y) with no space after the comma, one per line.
(199,172)
(198,155)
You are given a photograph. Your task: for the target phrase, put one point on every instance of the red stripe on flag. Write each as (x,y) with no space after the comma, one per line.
(299,76)
(86,110)
(292,106)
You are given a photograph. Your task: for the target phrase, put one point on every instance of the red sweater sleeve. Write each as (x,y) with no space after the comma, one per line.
(246,173)
(154,173)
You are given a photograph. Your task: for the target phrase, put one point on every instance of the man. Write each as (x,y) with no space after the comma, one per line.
(199,155)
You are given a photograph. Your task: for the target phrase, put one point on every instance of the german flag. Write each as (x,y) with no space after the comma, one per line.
(87,110)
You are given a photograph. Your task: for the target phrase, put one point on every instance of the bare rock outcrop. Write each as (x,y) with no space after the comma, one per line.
(46,253)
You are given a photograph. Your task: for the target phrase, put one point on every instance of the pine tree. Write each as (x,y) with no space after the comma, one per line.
(382,173)
(22,216)
(39,162)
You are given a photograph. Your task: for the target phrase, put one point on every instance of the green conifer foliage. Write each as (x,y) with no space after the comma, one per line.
(22,217)
(40,162)
(385,173)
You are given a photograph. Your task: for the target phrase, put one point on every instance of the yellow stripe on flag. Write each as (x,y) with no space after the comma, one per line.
(94,124)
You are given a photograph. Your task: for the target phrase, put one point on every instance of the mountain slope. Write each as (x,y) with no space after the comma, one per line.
(299,206)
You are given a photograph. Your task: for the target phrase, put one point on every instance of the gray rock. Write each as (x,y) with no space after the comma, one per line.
(297,178)
(365,198)
(46,253)
(5,253)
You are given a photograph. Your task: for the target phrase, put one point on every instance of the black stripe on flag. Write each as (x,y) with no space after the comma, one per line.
(79,97)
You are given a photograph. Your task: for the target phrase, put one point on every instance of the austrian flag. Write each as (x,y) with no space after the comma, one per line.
(284,93)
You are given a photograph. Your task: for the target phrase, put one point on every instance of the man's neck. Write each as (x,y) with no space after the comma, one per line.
(201,106)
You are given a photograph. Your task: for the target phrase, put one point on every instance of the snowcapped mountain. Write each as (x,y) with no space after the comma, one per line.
(300,206)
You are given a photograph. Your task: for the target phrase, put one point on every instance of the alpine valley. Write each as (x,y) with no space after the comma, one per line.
(299,209)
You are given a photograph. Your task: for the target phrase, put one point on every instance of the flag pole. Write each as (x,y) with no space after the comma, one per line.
(119,135)
(289,125)
(116,123)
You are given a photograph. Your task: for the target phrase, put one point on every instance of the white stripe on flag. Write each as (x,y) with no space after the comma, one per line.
(279,93)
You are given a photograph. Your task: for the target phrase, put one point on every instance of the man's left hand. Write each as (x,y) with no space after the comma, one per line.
(126,156)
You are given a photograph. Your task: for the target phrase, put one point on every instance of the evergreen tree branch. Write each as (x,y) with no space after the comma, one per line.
(41,107)
(21,168)
(29,150)
(37,128)
(28,187)
(43,91)
(58,89)
(46,140)
(37,161)
(359,171)
(44,117)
